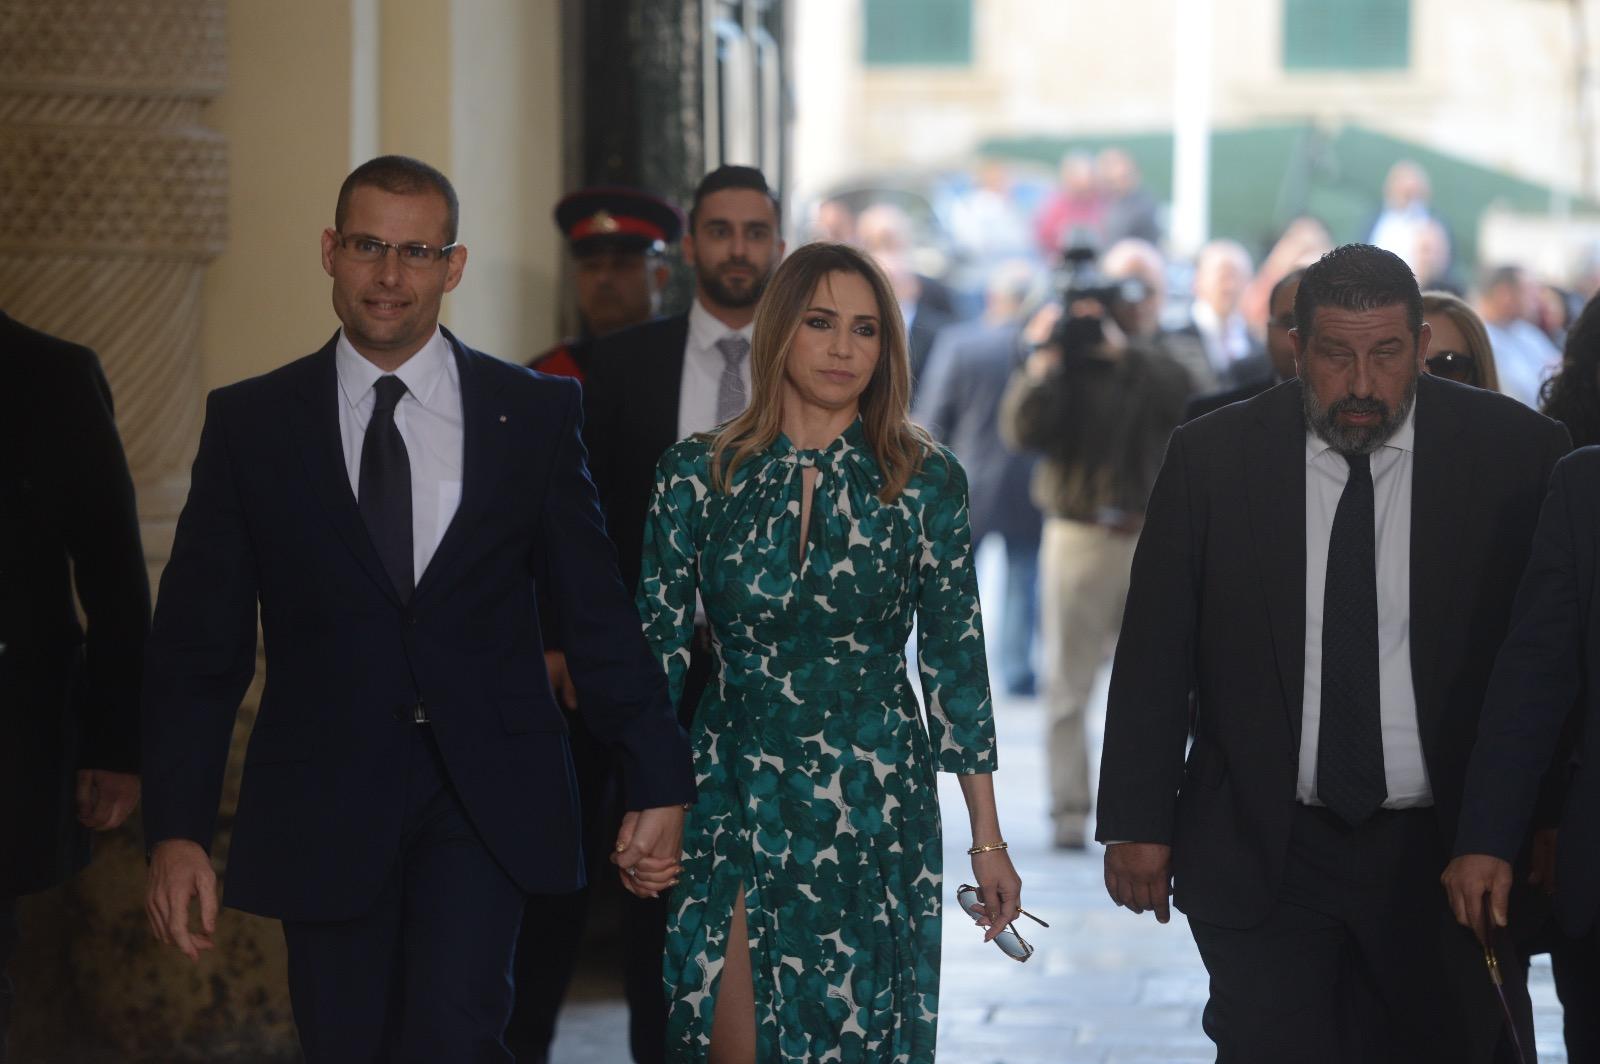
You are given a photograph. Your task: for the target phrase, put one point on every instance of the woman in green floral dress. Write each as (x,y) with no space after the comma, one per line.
(814,528)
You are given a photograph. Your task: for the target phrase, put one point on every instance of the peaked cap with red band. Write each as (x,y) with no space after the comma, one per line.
(612,215)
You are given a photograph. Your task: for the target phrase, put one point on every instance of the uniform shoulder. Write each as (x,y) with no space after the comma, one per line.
(657,333)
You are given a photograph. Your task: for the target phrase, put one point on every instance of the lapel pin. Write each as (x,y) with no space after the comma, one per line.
(502,419)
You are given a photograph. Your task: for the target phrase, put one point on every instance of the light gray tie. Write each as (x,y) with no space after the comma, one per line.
(731,398)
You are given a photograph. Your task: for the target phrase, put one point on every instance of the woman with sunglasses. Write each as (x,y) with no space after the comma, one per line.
(813,528)
(1460,349)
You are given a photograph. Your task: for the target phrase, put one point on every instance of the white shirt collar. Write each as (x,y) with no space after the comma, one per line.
(420,372)
(705,329)
(1404,438)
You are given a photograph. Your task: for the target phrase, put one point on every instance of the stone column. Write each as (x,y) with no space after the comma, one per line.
(114,195)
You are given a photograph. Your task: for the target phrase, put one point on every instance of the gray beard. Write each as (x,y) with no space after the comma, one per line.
(1348,439)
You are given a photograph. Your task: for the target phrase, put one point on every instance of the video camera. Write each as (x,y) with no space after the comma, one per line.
(1080,280)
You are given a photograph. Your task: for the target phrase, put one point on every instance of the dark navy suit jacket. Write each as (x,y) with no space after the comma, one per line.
(271,521)
(1548,670)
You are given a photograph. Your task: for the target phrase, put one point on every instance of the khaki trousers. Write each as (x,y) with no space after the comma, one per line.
(1084,572)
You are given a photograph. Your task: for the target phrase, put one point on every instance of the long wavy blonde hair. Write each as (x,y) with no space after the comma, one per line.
(898,445)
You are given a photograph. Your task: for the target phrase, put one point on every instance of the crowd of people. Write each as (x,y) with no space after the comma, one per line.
(526,635)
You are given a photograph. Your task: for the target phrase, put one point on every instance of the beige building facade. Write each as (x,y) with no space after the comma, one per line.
(1496,82)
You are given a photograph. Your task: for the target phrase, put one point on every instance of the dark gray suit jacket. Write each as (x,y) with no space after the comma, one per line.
(1217,608)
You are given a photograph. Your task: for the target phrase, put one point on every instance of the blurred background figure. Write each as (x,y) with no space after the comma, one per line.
(1130,209)
(1097,403)
(832,220)
(959,403)
(1460,349)
(985,221)
(1432,261)
(1572,396)
(1280,352)
(1406,213)
(1221,272)
(884,232)
(1302,242)
(1525,356)
(618,238)
(1075,212)
(1135,259)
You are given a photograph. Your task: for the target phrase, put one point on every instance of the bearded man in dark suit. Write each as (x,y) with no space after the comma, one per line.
(1324,575)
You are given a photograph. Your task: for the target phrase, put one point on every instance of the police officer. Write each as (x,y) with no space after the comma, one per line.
(618,238)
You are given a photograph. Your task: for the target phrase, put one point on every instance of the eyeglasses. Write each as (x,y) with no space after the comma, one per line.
(1459,366)
(363,248)
(1010,943)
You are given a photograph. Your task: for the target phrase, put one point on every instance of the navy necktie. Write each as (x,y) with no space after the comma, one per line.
(384,496)
(1350,777)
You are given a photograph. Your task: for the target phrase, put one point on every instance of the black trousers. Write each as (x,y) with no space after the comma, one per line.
(553,928)
(426,975)
(1575,963)
(8,947)
(1359,960)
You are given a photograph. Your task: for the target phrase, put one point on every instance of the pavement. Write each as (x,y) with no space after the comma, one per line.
(1103,986)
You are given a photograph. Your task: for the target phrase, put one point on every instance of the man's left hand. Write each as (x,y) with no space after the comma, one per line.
(1467,879)
(106,798)
(648,850)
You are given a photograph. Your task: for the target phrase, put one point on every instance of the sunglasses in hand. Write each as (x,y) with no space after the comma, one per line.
(1010,943)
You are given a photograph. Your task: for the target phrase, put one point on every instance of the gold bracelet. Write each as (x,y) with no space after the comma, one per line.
(975,850)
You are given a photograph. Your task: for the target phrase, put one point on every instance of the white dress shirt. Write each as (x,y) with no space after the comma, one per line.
(429,419)
(702,371)
(1226,342)
(1404,770)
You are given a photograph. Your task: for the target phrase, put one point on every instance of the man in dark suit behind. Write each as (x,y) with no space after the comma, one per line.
(1545,696)
(645,389)
(389,503)
(69,693)
(959,403)
(1323,578)
(1280,352)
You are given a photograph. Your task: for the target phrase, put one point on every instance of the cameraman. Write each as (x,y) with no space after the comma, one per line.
(1098,407)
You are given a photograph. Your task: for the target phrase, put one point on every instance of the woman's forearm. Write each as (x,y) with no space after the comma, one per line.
(978,790)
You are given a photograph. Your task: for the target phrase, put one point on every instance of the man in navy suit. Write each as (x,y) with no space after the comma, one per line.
(1538,745)
(387,503)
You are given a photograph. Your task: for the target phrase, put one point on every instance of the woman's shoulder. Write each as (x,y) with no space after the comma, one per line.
(689,457)
(940,472)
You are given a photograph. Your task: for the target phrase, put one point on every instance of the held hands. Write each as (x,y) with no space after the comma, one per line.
(105,798)
(1467,879)
(999,891)
(1139,876)
(179,870)
(647,851)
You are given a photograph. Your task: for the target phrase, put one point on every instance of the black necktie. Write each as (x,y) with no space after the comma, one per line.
(385,490)
(1350,737)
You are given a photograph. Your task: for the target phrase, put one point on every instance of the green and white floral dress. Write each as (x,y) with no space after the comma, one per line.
(814,766)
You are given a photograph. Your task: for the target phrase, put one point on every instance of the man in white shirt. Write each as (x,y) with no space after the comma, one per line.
(646,388)
(1234,356)
(1523,355)
(407,784)
(1325,573)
